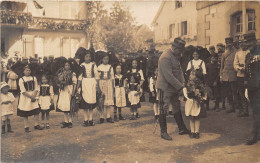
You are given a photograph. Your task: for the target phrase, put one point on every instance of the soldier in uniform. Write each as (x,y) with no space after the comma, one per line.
(252,84)
(221,50)
(228,75)
(170,83)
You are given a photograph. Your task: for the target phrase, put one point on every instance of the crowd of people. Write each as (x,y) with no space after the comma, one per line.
(101,80)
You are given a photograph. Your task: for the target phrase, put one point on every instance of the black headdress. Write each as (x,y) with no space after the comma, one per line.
(81,52)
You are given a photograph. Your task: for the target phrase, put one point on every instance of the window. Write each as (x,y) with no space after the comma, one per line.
(239,23)
(69,47)
(251,21)
(39,46)
(178,4)
(183,28)
(69,12)
(171,30)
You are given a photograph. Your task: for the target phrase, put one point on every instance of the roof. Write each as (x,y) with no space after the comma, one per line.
(158,13)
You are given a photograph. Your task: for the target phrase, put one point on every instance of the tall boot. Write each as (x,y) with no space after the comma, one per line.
(163,126)
(3,127)
(182,128)
(9,129)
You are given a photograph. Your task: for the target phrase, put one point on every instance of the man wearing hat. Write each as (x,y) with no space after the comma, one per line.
(170,83)
(228,74)
(221,50)
(252,84)
(239,66)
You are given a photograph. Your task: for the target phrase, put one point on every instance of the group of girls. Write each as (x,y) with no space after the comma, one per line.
(118,90)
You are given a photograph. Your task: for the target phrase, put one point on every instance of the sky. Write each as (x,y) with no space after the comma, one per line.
(143,12)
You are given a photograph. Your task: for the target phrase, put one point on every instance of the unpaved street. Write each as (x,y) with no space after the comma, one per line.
(222,140)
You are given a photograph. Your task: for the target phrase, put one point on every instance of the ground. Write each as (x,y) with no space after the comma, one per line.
(222,140)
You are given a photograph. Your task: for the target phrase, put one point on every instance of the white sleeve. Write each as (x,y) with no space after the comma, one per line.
(189,66)
(36,84)
(21,85)
(141,74)
(112,75)
(204,68)
(151,85)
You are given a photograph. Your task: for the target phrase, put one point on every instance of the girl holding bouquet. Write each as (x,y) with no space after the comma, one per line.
(66,82)
(195,92)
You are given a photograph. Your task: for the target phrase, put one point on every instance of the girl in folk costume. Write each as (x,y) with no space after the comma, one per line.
(12,77)
(46,101)
(134,94)
(106,84)
(7,108)
(120,94)
(28,103)
(66,83)
(138,73)
(88,86)
(196,94)
(153,93)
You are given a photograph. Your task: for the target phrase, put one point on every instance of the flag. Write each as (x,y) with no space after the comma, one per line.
(37,5)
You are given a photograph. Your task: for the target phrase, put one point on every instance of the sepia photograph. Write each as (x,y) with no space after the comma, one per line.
(130,81)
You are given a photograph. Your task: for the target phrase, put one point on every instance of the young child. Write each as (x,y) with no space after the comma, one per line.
(6,101)
(120,94)
(88,83)
(198,65)
(46,101)
(106,74)
(134,93)
(212,80)
(138,73)
(195,93)
(12,77)
(153,93)
(28,103)
(66,82)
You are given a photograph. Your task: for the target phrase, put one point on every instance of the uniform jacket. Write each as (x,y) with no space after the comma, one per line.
(170,75)
(252,73)
(227,71)
(239,62)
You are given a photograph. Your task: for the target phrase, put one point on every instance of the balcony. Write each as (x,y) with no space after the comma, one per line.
(26,20)
(14,18)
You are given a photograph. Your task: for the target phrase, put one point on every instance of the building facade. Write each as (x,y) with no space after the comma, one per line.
(218,20)
(45,28)
(175,19)
(205,23)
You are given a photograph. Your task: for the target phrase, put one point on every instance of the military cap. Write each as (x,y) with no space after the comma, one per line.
(249,36)
(228,39)
(178,42)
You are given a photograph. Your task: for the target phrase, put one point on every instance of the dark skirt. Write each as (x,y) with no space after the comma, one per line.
(58,110)
(84,105)
(23,113)
(47,111)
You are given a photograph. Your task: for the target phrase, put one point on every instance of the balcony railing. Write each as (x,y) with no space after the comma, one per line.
(15,18)
(28,21)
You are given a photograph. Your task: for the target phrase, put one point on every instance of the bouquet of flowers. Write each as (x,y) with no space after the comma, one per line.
(196,88)
(64,78)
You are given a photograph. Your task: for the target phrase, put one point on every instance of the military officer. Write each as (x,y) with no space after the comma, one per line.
(252,84)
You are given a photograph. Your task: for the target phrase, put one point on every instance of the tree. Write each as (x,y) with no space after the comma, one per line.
(118,30)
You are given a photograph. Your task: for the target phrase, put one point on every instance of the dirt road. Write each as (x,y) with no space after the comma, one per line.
(222,140)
